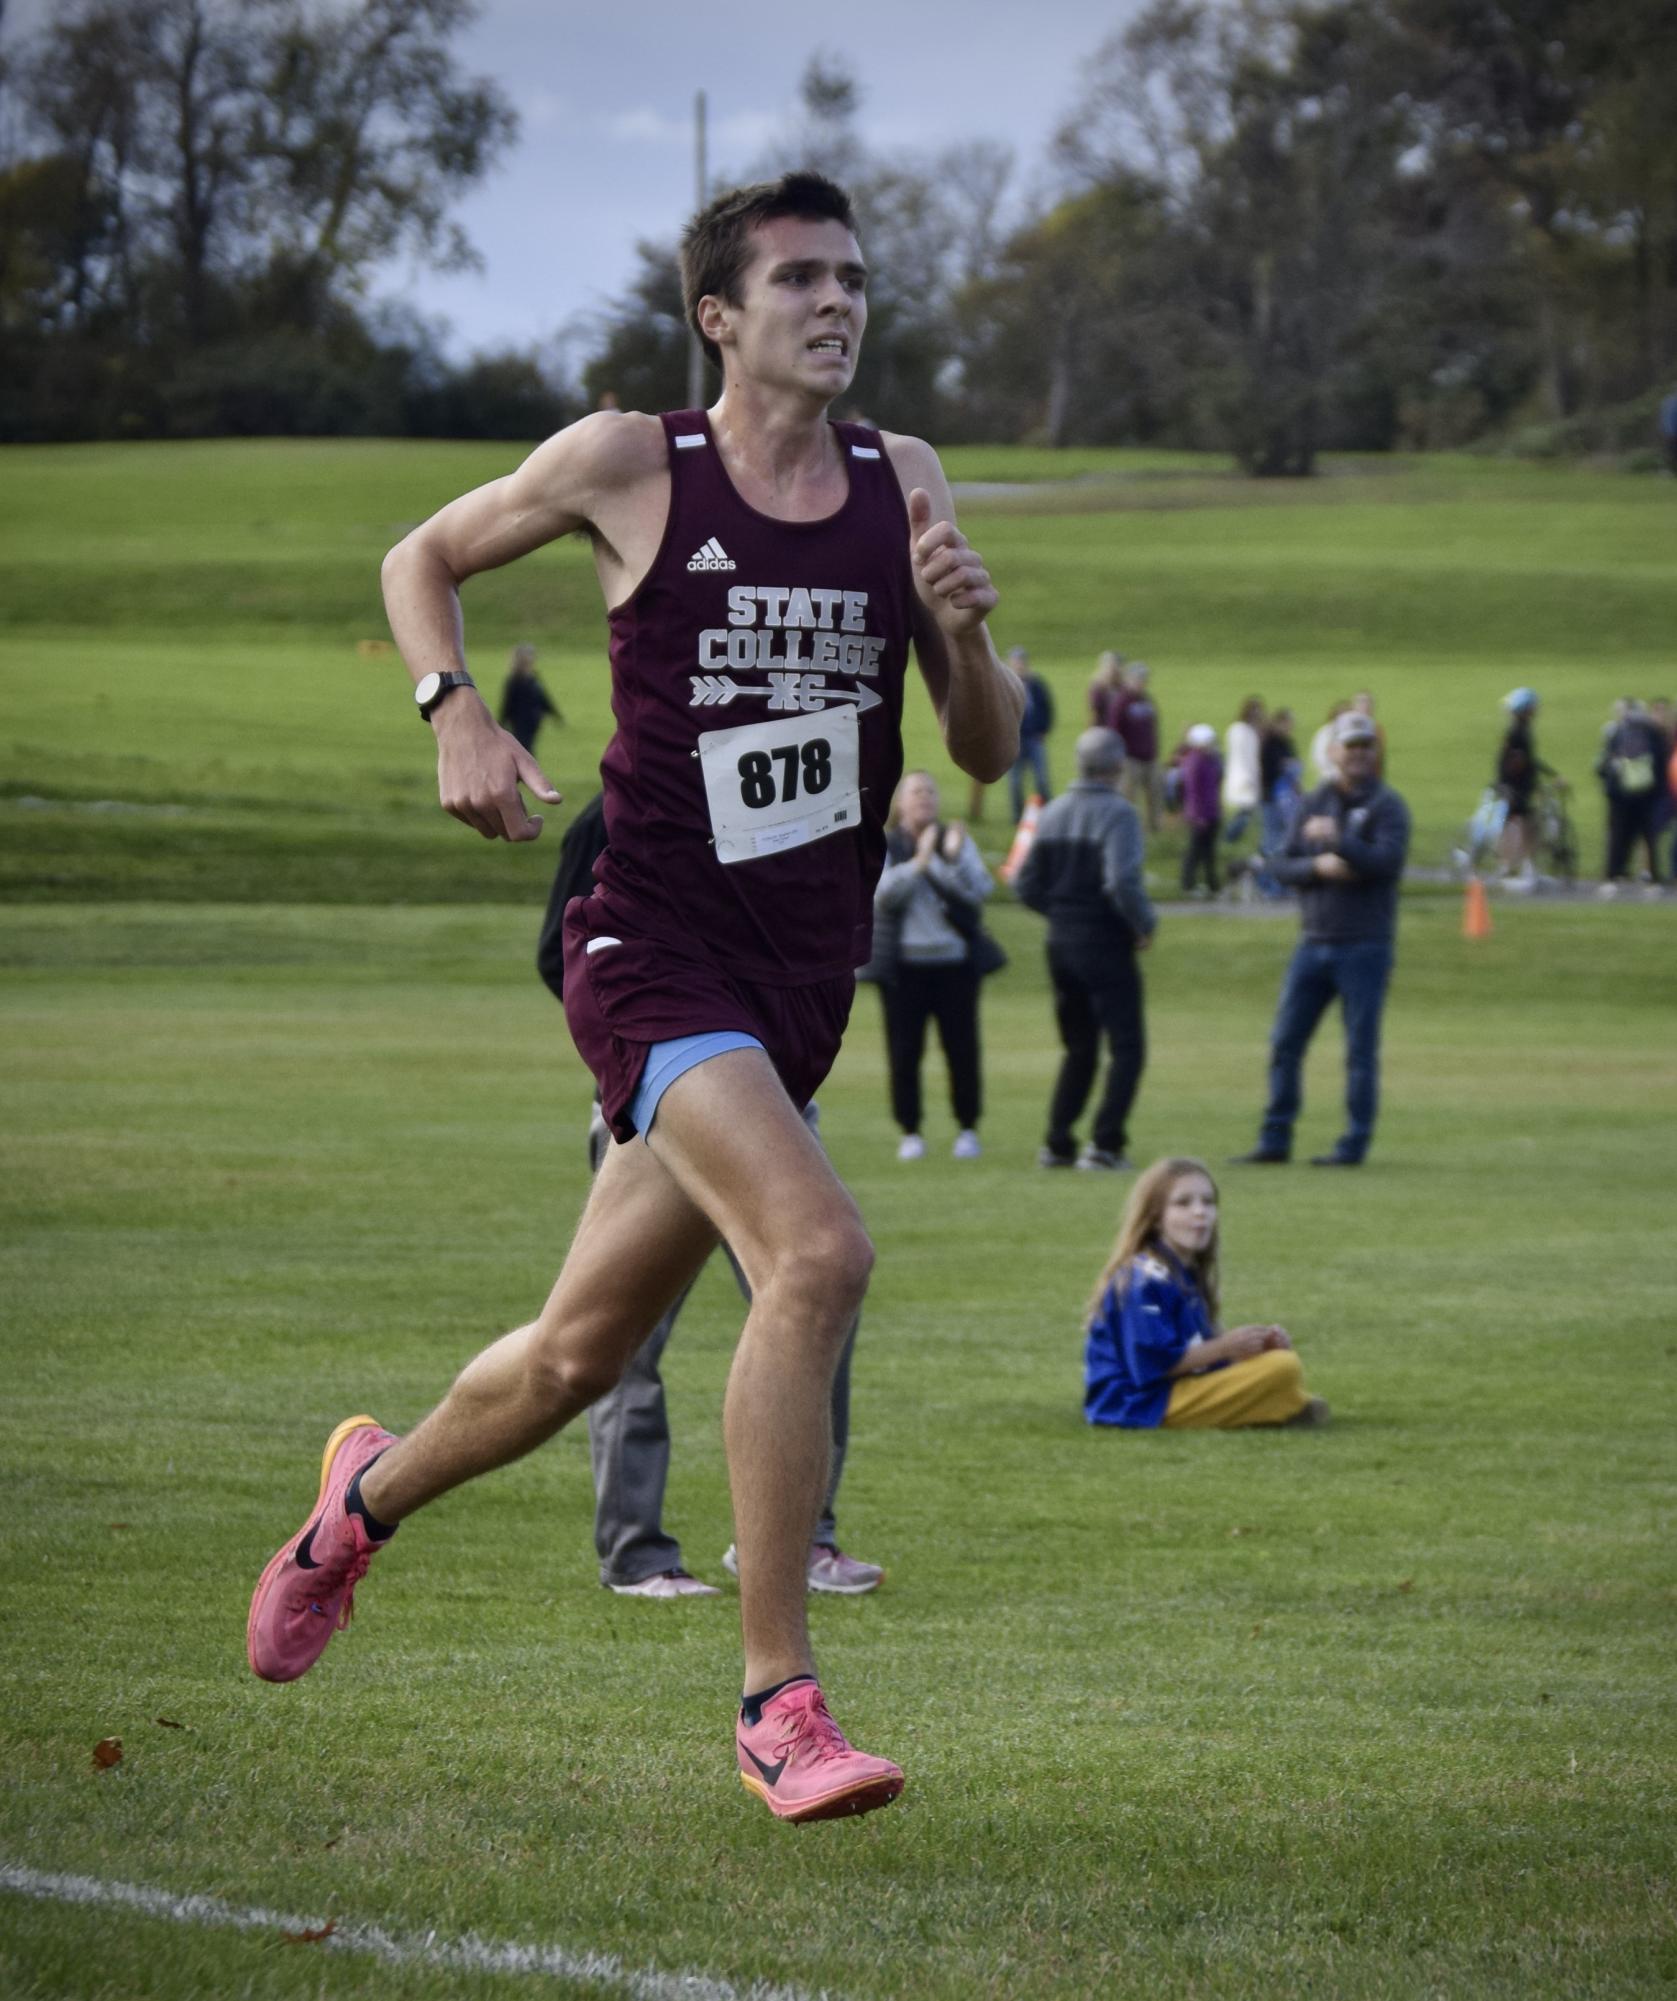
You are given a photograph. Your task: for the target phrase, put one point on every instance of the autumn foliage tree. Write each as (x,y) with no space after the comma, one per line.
(204,192)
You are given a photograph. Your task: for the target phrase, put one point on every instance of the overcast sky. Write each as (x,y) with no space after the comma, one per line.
(605,97)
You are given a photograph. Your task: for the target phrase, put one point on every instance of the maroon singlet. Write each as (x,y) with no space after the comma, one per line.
(757,683)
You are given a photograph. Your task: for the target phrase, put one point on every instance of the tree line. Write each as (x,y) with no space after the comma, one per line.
(1275,228)
(196,197)
(1271,227)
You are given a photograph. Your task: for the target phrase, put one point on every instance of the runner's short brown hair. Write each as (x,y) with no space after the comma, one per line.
(716,244)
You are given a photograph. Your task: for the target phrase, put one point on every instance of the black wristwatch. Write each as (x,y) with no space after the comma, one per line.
(435,687)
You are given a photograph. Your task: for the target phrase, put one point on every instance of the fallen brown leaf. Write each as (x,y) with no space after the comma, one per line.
(311,1937)
(168,1723)
(106,1753)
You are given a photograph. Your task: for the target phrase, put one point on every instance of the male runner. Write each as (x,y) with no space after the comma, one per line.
(765,571)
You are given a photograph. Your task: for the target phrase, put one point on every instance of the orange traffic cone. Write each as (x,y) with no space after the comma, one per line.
(1476,910)
(1023,836)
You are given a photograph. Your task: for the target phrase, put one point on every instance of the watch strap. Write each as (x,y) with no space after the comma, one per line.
(446,683)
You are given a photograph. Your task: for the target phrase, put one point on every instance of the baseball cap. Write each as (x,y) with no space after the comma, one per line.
(1203,737)
(1354,727)
(1520,699)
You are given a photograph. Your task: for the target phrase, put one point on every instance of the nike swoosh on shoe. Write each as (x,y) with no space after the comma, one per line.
(770,1772)
(305,1557)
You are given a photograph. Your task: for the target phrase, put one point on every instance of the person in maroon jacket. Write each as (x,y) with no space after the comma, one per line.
(766,571)
(1201,774)
(1138,725)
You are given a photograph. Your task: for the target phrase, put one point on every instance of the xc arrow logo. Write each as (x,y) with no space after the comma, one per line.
(717,690)
(809,692)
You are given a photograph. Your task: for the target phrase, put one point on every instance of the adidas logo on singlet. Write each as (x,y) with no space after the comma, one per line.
(711,557)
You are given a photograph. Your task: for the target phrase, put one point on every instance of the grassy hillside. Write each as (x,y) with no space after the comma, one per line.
(189,716)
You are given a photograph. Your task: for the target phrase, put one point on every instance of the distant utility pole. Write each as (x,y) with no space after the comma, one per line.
(695,353)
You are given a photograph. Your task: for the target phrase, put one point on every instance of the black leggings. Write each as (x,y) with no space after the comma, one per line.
(949,996)
(1202,853)
(1632,822)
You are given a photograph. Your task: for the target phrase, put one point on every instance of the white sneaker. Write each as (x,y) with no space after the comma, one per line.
(668,1584)
(966,1145)
(911,1147)
(829,1570)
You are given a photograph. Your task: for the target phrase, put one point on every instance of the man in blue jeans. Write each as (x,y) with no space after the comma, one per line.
(1034,726)
(1344,856)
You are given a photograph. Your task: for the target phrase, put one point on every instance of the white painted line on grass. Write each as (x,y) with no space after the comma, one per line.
(466,1954)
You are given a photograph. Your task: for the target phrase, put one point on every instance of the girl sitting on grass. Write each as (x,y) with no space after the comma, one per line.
(1154,1354)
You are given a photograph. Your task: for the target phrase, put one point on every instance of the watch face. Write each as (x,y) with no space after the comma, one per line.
(429,689)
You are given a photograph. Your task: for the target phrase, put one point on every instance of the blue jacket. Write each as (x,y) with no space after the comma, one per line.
(1374,838)
(1038,718)
(1151,1315)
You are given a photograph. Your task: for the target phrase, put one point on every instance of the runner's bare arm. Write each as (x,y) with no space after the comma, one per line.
(978,700)
(565,484)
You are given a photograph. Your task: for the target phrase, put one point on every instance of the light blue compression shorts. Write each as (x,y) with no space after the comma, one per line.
(666,1061)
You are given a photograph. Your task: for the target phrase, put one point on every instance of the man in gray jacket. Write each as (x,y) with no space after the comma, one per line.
(1083,874)
(1344,856)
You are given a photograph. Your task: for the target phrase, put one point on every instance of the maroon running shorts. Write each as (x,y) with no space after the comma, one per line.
(624,995)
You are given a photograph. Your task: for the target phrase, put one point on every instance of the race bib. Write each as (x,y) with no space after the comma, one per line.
(777,785)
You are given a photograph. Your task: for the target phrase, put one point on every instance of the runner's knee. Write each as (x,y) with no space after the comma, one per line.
(569,1379)
(823,1275)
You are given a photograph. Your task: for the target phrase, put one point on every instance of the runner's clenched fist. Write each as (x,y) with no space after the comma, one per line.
(949,574)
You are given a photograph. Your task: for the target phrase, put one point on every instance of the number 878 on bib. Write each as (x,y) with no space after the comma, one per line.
(777,785)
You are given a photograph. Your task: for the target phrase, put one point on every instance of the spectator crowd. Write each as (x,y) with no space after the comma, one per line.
(1256,807)
(1319,825)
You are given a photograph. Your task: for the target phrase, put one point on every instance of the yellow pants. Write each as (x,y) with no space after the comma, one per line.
(1264,1389)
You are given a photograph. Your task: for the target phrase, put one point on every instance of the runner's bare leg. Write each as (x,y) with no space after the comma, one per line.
(727,1135)
(732,1139)
(640,1242)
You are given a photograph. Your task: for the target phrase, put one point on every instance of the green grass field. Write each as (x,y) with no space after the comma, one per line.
(288,1129)
(188,716)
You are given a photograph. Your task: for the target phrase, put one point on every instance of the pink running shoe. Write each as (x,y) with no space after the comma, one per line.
(798,1764)
(307,1591)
